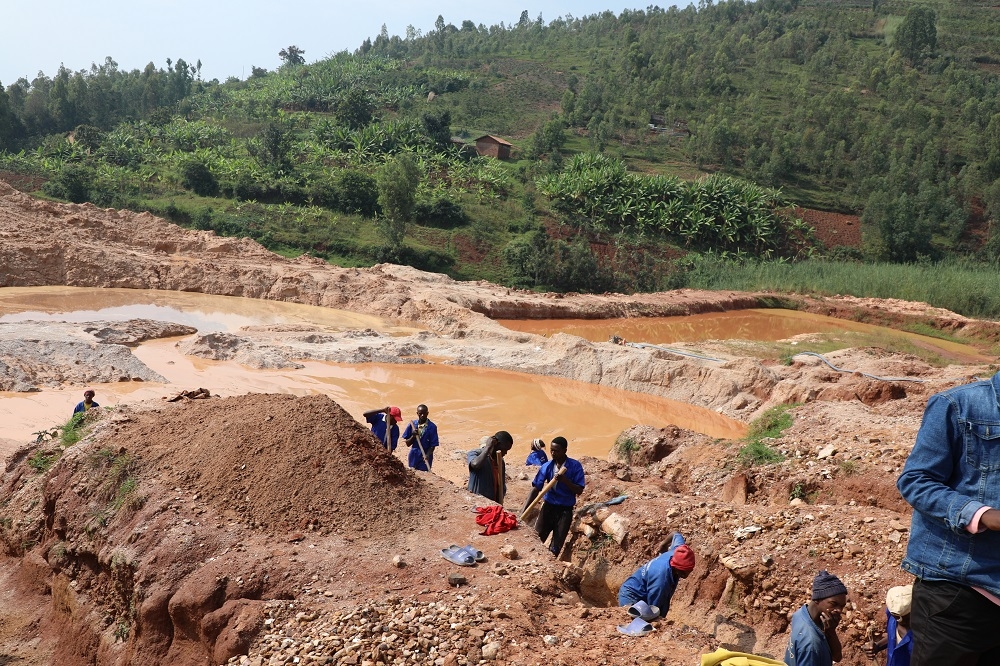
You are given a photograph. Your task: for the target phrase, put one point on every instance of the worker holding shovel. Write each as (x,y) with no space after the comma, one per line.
(562,479)
(422,437)
(384,425)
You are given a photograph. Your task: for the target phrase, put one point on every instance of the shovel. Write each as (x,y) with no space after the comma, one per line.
(541,493)
(416,435)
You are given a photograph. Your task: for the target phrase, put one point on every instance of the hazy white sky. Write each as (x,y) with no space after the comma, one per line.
(229,36)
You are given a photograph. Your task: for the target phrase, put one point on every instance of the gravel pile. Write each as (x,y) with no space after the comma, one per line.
(398,631)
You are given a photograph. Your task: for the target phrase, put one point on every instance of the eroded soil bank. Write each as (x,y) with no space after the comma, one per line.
(260,529)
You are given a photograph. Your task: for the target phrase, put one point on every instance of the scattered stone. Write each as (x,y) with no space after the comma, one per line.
(551,640)
(455,580)
(826,452)
(509,552)
(491,650)
(615,526)
(398,562)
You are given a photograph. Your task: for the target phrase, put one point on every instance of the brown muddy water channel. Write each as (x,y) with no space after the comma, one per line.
(465,402)
(753,324)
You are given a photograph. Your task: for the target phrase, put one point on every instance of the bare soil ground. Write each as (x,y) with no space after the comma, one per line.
(263,529)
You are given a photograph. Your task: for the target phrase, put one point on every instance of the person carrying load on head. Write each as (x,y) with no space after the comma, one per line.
(655,582)
(422,437)
(537,457)
(384,425)
(814,640)
(88,402)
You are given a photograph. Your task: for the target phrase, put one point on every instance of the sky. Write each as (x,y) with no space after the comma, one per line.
(230,36)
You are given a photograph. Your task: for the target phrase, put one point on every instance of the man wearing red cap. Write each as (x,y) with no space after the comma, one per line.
(384,425)
(655,581)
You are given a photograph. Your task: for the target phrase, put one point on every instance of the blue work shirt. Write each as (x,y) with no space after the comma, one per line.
(428,436)
(536,458)
(379,422)
(560,495)
(898,653)
(807,645)
(951,473)
(654,582)
(82,407)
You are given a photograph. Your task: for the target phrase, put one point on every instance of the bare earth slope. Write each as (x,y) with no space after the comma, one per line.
(266,529)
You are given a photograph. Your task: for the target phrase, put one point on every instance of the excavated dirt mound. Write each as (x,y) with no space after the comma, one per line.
(276,462)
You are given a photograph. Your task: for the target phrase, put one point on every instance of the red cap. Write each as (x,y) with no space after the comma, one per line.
(395,413)
(683,558)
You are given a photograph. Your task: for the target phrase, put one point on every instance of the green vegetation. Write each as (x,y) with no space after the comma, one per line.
(625,447)
(768,425)
(885,109)
(72,430)
(848,467)
(41,461)
(758,453)
(961,286)
(119,487)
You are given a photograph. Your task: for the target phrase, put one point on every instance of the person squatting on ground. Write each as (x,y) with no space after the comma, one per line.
(557,511)
(656,581)
(898,639)
(384,425)
(88,402)
(487,470)
(952,480)
(537,457)
(422,437)
(814,640)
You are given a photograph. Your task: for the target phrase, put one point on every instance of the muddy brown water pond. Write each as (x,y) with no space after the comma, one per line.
(767,325)
(465,402)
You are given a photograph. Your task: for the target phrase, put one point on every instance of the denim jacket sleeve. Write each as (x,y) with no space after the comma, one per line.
(927,482)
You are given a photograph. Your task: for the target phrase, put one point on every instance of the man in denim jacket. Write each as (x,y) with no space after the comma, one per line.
(952,481)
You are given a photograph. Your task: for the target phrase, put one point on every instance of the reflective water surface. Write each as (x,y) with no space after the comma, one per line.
(466,403)
(754,324)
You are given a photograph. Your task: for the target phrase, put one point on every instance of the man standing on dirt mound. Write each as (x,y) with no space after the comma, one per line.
(557,511)
(656,581)
(814,640)
(422,436)
(952,480)
(88,402)
(487,471)
(384,426)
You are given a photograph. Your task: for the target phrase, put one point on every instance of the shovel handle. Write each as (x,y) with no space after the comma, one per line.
(541,493)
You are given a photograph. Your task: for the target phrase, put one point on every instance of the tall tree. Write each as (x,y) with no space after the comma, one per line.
(917,33)
(292,55)
(397,195)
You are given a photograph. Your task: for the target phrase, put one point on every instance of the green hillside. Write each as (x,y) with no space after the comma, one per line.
(646,146)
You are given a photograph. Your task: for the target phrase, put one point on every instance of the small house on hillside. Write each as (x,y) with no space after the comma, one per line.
(492,146)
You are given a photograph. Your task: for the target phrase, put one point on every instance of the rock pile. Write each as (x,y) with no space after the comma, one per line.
(452,632)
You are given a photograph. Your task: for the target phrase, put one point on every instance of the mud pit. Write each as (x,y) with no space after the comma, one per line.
(208,562)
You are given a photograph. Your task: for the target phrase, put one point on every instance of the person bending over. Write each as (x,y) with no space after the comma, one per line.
(384,425)
(656,581)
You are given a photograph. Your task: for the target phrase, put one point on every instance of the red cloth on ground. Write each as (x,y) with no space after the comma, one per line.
(495,519)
